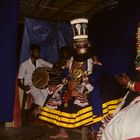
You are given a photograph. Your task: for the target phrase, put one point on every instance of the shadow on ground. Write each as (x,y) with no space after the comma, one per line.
(33,133)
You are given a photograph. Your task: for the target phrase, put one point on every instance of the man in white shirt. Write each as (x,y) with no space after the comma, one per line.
(25,75)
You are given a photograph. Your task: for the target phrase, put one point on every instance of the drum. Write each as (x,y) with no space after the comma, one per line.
(44,76)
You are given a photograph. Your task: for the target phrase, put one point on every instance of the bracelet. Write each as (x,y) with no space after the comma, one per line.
(130,85)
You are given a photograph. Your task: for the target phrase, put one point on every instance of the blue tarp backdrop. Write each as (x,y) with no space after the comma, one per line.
(8,45)
(50,36)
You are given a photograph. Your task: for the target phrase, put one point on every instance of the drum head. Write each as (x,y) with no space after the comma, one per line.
(40,77)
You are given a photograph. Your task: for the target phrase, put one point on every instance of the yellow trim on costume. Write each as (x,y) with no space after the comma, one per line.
(67,120)
(86,121)
(68,115)
(82,117)
(109,112)
(95,120)
(113,102)
(108,108)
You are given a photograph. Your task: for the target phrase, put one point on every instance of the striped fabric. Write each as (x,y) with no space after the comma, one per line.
(84,116)
(108,108)
(67,120)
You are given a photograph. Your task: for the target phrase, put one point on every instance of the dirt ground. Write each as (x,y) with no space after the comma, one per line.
(33,133)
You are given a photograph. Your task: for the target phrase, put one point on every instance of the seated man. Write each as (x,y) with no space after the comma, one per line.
(124,123)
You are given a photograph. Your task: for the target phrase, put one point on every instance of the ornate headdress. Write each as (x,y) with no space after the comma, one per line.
(79,27)
(80,35)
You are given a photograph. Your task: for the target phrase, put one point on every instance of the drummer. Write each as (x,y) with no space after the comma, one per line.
(36,97)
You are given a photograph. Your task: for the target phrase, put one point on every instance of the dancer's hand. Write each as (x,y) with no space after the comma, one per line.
(122,79)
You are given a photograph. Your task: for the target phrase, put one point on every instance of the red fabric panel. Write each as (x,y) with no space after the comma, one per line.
(17,112)
(137,86)
(138,138)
